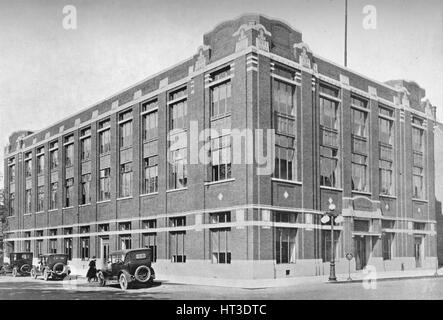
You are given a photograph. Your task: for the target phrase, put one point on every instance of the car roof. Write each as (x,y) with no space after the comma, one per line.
(120,252)
(21,252)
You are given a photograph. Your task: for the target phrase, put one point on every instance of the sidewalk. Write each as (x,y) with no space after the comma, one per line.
(296,281)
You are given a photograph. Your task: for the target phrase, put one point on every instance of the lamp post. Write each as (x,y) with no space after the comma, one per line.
(332,216)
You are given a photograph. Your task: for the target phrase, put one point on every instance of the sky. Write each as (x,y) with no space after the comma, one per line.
(48,72)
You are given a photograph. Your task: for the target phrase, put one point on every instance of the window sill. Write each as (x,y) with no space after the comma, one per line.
(103,201)
(84,205)
(52,210)
(124,198)
(40,212)
(387,196)
(27,214)
(420,200)
(105,154)
(174,190)
(71,207)
(287,181)
(219,182)
(149,194)
(362,192)
(331,188)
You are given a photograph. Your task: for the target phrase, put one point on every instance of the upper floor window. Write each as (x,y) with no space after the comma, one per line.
(11,171)
(178,110)
(104,136)
(28,165)
(150,125)
(221,94)
(40,160)
(69,151)
(11,203)
(359,123)
(53,155)
(125,126)
(417,139)
(85,144)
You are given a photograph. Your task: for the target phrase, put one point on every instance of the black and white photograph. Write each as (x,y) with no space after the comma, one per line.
(221,150)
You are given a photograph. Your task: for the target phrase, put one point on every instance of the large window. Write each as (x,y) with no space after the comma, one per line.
(40,198)
(220,238)
(125,125)
(52,245)
(11,203)
(178,110)
(330,169)
(177,240)
(85,144)
(360,145)
(28,166)
(104,136)
(53,155)
(85,189)
(418,169)
(28,200)
(221,157)
(221,98)
(386,151)
(69,192)
(126,179)
(326,245)
(387,246)
(69,151)
(150,121)
(151,174)
(149,239)
(40,160)
(53,201)
(84,248)
(125,241)
(150,147)
(104,185)
(11,171)
(285,238)
(284,106)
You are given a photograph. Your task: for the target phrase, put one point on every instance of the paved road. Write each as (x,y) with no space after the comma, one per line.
(27,288)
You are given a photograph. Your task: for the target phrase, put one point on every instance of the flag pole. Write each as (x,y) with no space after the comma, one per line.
(346,33)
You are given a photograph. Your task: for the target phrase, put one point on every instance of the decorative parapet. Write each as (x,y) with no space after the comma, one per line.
(260,41)
(303,54)
(201,61)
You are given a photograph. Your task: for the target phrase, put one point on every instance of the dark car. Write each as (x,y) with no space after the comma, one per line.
(128,267)
(52,266)
(20,263)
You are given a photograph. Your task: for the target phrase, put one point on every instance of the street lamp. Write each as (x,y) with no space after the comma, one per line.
(332,216)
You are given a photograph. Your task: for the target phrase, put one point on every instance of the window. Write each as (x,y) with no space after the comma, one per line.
(220,238)
(125,239)
(67,245)
(149,224)
(104,186)
(11,203)
(387,246)
(125,125)
(40,198)
(104,136)
(330,146)
(359,123)
(39,247)
(326,244)
(285,245)
(103,227)
(151,174)
(53,201)
(40,160)
(150,241)
(69,154)
(126,179)
(418,187)
(53,155)
(52,245)
(360,146)
(12,172)
(85,189)
(386,154)
(221,99)
(27,243)
(85,144)
(221,148)
(178,110)
(28,168)
(28,200)
(69,192)
(386,177)
(150,123)
(84,248)
(385,130)
(178,176)
(360,173)
(177,240)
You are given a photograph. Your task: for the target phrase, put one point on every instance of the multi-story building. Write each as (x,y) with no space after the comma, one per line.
(114,175)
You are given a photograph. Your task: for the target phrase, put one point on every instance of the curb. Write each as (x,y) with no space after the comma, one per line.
(384,279)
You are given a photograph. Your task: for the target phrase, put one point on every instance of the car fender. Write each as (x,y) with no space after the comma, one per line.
(127,274)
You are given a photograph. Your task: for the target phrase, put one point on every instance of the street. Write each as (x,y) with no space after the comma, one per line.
(27,288)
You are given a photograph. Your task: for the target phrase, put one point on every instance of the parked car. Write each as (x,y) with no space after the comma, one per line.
(127,268)
(20,264)
(52,266)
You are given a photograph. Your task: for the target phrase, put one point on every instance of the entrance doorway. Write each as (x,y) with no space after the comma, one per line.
(418,251)
(360,252)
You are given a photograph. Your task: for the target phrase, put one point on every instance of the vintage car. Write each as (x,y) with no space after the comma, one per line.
(20,264)
(52,266)
(127,268)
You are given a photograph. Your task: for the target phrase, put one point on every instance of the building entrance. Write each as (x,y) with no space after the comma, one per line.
(360,252)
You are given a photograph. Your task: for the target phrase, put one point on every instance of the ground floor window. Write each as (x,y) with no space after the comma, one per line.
(177,246)
(125,242)
(84,248)
(285,245)
(52,245)
(150,241)
(27,245)
(387,246)
(68,247)
(220,245)
(38,247)
(326,245)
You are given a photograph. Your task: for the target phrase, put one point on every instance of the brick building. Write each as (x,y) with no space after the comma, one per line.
(110,176)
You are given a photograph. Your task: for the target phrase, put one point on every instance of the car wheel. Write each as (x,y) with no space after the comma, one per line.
(14,272)
(46,274)
(142,274)
(123,281)
(33,273)
(101,279)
